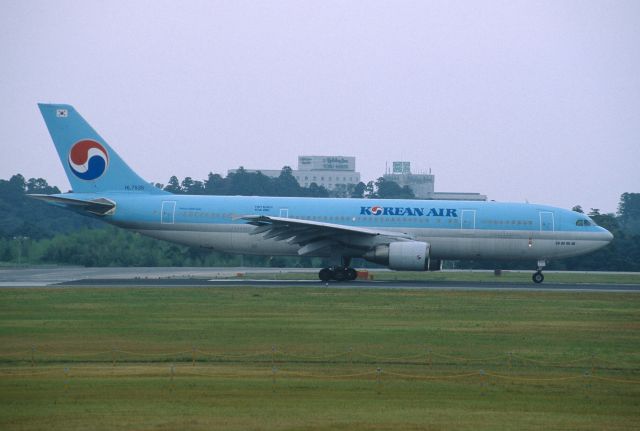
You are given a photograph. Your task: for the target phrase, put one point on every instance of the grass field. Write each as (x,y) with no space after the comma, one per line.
(317,358)
(468,276)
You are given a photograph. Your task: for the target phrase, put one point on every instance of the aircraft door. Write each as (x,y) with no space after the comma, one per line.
(168,213)
(546,221)
(284,212)
(468,219)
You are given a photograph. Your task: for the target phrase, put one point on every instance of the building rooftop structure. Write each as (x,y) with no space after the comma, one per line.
(339,172)
(423,185)
(331,172)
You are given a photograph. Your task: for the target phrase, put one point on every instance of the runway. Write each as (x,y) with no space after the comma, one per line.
(234,277)
(361,284)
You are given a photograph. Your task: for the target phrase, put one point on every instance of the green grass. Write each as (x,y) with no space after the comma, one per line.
(432,347)
(470,276)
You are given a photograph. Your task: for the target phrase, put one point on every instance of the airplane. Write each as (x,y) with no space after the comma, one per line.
(404,235)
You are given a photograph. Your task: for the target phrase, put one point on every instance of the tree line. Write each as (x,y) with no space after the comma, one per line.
(245,183)
(32,232)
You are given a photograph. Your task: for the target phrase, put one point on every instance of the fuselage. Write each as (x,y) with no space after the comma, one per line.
(454,229)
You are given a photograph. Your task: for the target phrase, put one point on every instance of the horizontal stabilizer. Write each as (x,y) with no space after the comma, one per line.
(99,206)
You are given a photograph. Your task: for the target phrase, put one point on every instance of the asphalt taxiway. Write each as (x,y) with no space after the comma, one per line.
(235,277)
(358,284)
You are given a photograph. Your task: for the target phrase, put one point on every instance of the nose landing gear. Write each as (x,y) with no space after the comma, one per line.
(537,276)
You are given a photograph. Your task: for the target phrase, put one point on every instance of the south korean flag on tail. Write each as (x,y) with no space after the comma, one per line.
(62,113)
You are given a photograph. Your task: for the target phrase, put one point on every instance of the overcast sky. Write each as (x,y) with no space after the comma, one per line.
(536,101)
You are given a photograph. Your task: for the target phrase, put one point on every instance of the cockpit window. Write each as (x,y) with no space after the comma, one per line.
(583,222)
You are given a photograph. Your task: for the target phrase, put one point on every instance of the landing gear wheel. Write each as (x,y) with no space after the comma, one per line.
(352,274)
(340,274)
(537,277)
(337,273)
(325,274)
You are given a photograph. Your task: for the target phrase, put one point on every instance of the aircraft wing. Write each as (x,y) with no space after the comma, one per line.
(314,236)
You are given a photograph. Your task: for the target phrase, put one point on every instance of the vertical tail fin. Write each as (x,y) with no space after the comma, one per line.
(89,162)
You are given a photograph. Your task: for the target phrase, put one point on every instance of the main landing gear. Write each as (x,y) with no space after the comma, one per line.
(537,276)
(342,272)
(338,273)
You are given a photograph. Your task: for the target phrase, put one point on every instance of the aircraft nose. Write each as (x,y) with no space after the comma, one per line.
(608,235)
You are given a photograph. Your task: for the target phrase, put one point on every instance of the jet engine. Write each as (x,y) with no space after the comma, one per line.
(404,256)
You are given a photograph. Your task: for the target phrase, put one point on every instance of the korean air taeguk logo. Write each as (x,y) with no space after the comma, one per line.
(88,159)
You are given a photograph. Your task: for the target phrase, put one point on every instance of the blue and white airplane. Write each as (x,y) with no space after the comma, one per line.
(414,235)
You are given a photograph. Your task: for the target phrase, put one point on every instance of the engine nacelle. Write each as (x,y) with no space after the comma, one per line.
(402,255)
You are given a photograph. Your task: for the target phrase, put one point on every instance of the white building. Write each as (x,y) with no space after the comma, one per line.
(331,172)
(423,185)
